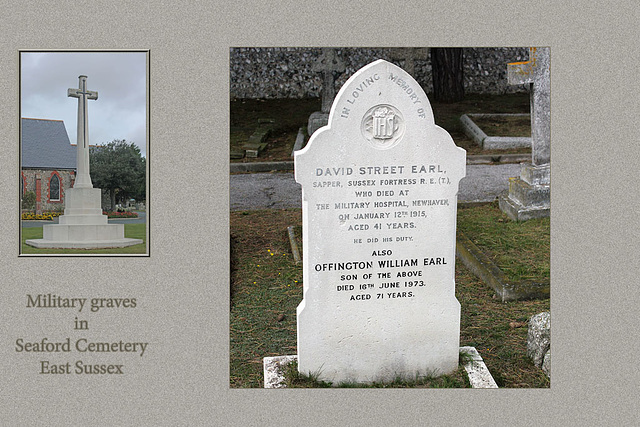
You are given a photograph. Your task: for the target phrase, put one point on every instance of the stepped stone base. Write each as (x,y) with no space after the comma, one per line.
(529,195)
(83,226)
(518,212)
(84,244)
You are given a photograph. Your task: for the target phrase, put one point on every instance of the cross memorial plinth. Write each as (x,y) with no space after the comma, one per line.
(83,226)
(529,195)
(330,65)
(379,190)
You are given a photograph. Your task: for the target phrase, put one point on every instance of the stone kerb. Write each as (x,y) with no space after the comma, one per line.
(473,131)
(477,372)
(379,186)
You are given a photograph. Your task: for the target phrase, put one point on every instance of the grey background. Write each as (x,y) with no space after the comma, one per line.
(182,289)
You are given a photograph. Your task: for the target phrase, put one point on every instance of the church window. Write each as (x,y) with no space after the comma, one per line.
(54,187)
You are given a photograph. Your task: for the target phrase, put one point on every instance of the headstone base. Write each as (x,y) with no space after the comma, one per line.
(479,375)
(316,121)
(519,212)
(529,195)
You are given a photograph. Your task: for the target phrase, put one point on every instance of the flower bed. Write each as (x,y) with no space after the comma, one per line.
(120,214)
(45,216)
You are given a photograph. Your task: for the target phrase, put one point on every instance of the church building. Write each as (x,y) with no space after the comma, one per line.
(48,163)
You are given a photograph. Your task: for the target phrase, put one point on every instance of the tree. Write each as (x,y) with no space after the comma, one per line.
(29,200)
(119,168)
(447,70)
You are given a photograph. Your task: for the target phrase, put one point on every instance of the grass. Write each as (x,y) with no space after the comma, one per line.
(133,231)
(517,126)
(291,114)
(520,249)
(266,288)
(458,379)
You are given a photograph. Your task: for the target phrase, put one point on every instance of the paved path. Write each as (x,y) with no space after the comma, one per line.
(279,190)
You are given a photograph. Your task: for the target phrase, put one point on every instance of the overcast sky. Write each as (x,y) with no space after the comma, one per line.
(118,77)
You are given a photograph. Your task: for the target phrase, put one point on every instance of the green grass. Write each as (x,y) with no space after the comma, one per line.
(458,379)
(133,231)
(266,284)
(520,249)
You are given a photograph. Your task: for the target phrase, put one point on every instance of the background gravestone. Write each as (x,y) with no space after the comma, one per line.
(530,194)
(329,65)
(379,189)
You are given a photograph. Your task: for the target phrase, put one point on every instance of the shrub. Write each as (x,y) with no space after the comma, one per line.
(123,214)
(29,200)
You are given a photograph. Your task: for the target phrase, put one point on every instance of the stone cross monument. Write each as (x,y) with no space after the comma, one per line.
(83,179)
(329,65)
(83,226)
(529,195)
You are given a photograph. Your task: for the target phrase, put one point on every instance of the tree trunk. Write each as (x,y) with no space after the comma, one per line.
(112,193)
(447,71)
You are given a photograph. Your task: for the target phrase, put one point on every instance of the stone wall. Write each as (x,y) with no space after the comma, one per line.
(30,177)
(287,72)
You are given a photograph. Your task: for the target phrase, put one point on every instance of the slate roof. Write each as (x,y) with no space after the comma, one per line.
(45,145)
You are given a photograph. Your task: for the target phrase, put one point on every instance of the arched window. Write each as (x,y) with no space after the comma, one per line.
(54,187)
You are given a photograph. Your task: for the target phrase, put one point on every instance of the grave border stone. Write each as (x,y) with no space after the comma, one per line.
(477,371)
(473,131)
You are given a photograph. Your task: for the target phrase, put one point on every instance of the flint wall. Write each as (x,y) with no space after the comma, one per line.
(287,72)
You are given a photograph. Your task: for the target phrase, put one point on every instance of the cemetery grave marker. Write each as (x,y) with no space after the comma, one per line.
(83,226)
(529,195)
(329,65)
(379,187)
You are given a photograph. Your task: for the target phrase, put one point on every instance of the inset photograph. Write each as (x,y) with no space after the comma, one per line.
(84,141)
(390,217)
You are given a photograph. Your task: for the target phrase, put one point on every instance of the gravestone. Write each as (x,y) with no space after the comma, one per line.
(379,187)
(329,65)
(529,195)
(83,226)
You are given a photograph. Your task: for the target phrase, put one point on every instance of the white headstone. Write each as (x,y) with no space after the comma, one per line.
(379,186)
